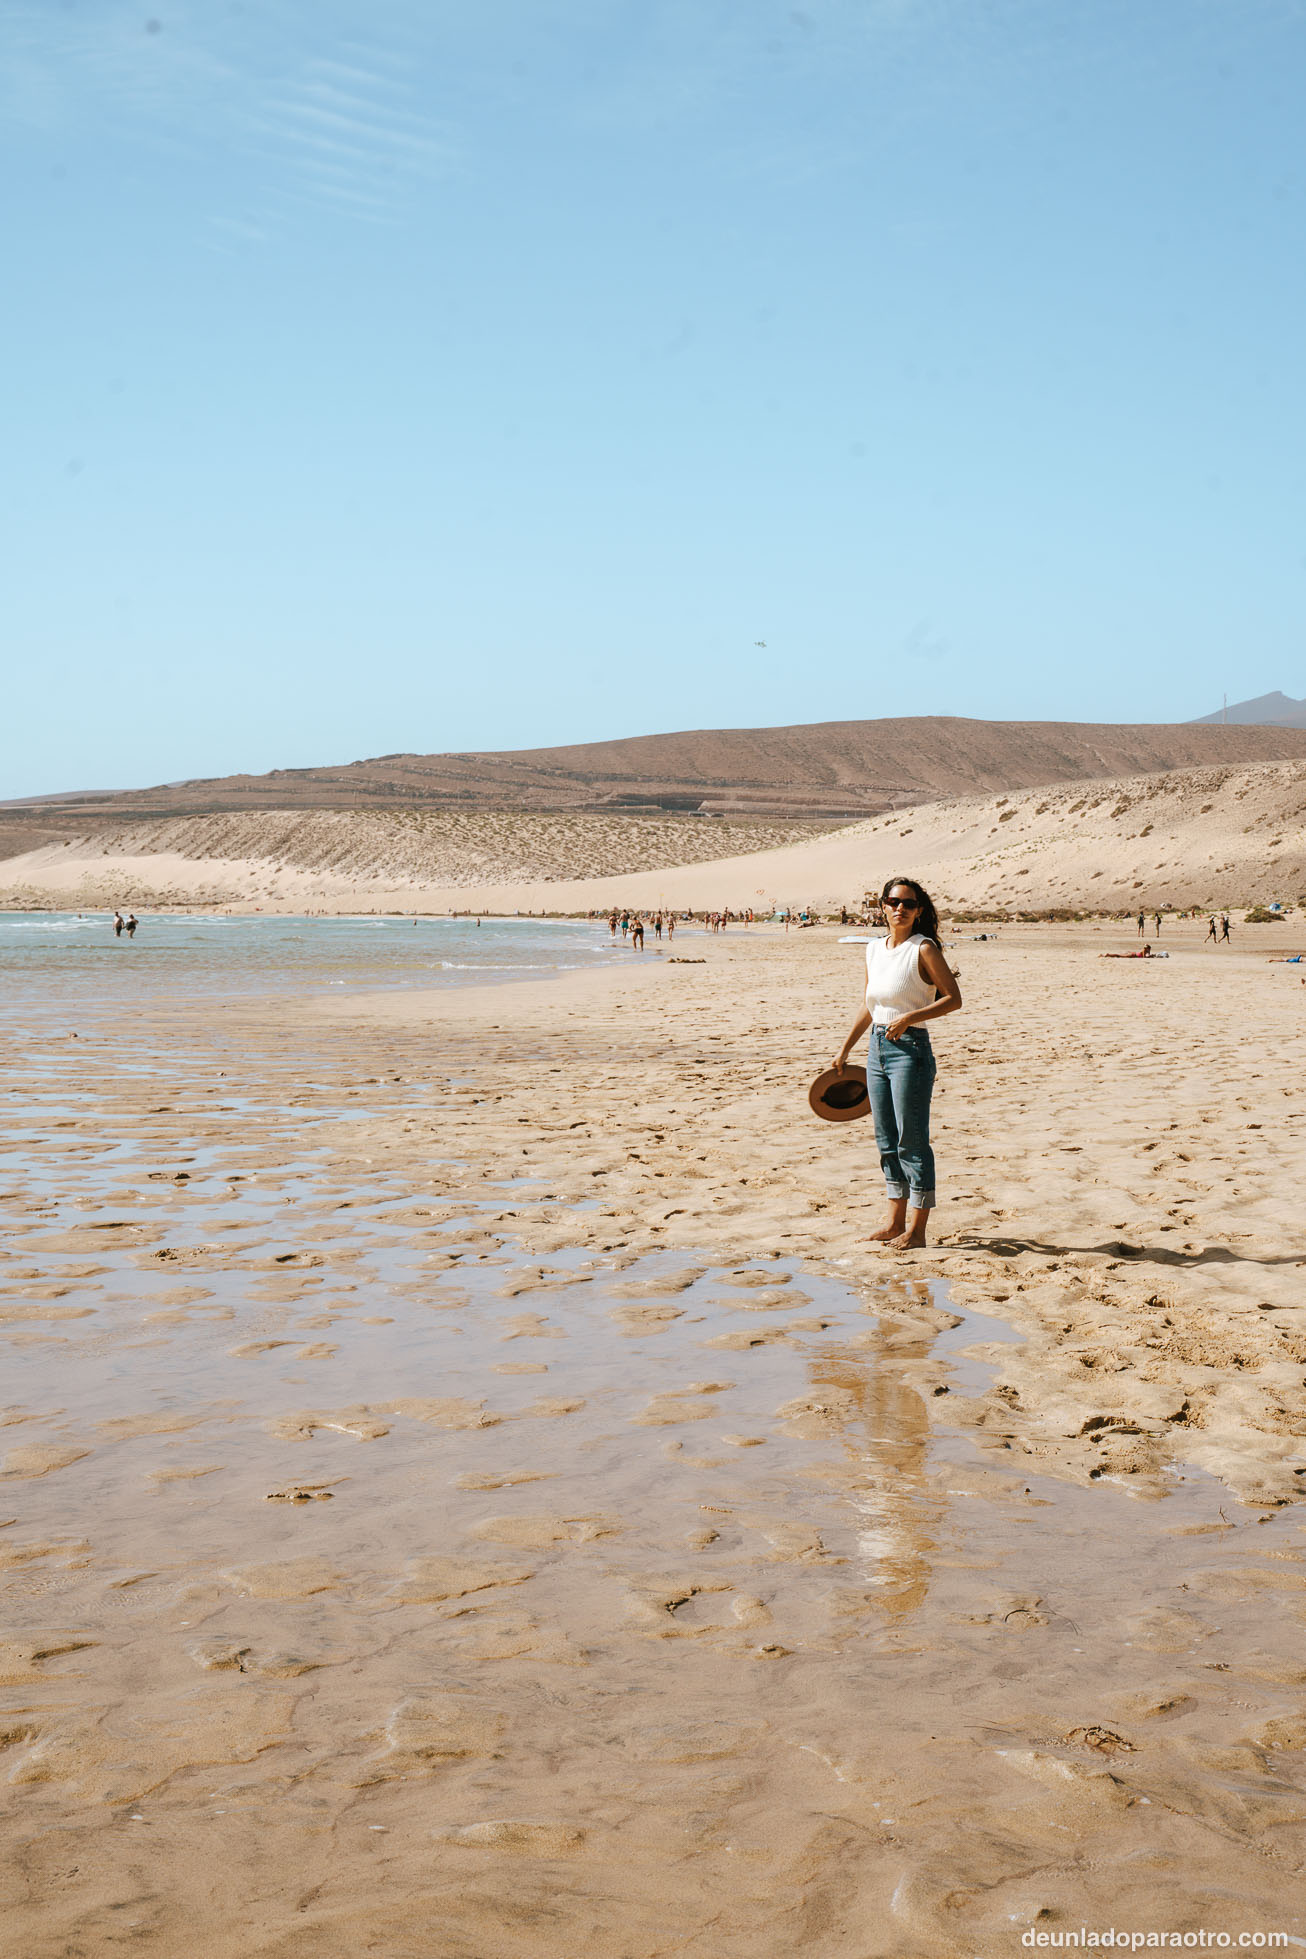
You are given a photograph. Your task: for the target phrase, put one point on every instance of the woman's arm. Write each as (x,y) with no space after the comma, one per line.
(859,1027)
(935,968)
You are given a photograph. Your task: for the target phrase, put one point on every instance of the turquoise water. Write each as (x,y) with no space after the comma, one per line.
(60,960)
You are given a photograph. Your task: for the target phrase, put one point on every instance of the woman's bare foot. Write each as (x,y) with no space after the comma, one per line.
(912,1237)
(895,1227)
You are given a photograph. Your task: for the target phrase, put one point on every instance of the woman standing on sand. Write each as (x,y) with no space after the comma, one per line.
(908,981)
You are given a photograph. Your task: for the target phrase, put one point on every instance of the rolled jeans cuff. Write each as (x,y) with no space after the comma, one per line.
(917,1200)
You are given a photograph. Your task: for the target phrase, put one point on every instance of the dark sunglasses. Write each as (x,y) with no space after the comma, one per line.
(901,904)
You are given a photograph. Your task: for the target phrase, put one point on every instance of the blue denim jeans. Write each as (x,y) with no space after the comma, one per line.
(900,1079)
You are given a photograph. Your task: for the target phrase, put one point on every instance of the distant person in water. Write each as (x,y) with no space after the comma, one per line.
(908,981)
(130,924)
(117,925)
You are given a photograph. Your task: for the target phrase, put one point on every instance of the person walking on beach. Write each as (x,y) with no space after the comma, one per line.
(1210,929)
(117,924)
(1156,919)
(671,926)
(1142,925)
(637,934)
(908,981)
(1224,928)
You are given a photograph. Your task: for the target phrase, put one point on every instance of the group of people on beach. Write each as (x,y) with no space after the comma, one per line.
(631,926)
(127,925)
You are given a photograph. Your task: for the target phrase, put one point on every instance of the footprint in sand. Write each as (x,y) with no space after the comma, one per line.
(653,1604)
(514,1636)
(681,1404)
(740,1343)
(431,1580)
(22,1657)
(695,1741)
(362,1425)
(657,1288)
(637,1320)
(517,1838)
(765,1302)
(231,1656)
(39,1459)
(537,1532)
(500,1479)
(531,1326)
(426,1730)
(68,1551)
(817,1417)
(793,1544)
(445,1411)
(12,1314)
(296,1578)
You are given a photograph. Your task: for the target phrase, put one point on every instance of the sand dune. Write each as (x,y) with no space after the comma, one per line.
(1208,836)
(342,848)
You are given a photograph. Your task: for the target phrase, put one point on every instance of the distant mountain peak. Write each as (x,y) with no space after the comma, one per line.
(1267,711)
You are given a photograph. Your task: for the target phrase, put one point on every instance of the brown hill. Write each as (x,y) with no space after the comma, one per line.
(833,771)
(1208,836)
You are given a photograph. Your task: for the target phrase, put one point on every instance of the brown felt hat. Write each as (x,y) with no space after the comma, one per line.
(840,1096)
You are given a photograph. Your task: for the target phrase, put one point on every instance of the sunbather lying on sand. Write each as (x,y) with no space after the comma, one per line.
(1146,953)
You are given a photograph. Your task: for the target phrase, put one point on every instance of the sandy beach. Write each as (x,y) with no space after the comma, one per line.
(470,1488)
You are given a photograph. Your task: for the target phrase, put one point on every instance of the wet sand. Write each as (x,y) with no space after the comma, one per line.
(468,1488)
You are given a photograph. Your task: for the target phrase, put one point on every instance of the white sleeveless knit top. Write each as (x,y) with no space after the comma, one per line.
(894,982)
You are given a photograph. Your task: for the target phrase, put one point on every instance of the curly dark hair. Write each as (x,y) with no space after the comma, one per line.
(927,918)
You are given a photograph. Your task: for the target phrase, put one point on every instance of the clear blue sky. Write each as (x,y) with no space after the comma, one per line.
(421,376)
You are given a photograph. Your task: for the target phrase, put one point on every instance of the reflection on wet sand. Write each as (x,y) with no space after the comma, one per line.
(886,1437)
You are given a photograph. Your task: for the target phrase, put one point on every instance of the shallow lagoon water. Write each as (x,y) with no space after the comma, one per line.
(62,961)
